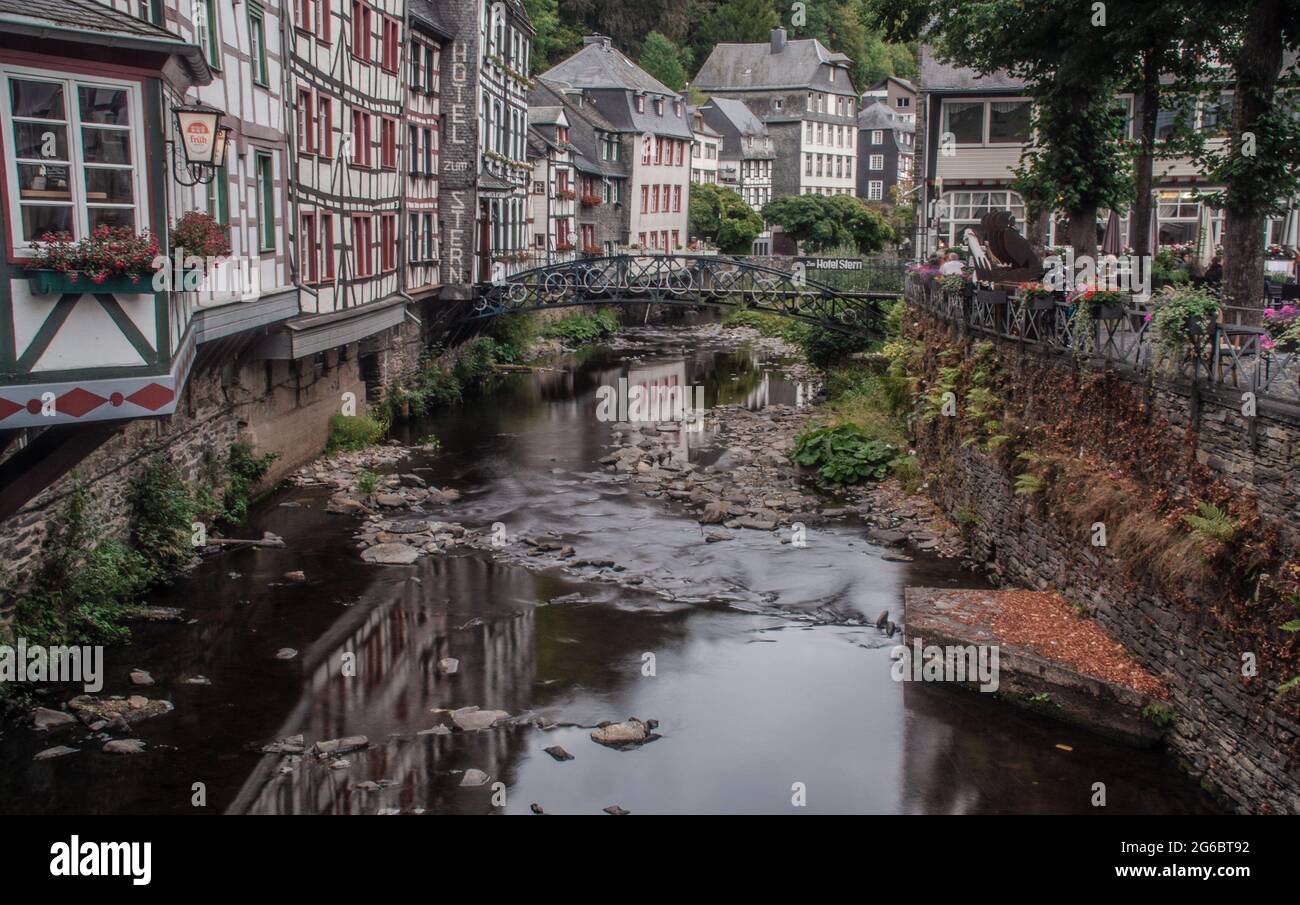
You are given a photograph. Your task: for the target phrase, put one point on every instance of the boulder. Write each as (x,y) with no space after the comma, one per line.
(124,746)
(390,554)
(627,733)
(44,718)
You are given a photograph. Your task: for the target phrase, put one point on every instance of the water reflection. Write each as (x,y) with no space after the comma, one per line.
(760,678)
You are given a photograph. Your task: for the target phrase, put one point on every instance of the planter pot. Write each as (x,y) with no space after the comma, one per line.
(1042,303)
(54,282)
(1108,312)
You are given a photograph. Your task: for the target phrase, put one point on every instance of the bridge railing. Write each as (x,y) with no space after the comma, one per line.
(1232,355)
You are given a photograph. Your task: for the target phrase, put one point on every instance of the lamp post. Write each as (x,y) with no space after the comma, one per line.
(203,143)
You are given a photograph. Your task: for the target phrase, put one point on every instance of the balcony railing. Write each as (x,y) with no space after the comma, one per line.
(1229,356)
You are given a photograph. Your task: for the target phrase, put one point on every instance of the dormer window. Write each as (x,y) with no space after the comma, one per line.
(562,134)
(640,103)
(677,109)
(659,106)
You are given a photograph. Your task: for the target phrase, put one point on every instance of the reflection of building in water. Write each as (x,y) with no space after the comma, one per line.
(660,381)
(397,645)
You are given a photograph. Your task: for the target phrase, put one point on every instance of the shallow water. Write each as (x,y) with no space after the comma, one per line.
(762,680)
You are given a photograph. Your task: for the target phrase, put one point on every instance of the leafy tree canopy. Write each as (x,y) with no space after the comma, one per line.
(661,58)
(719,215)
(821,222)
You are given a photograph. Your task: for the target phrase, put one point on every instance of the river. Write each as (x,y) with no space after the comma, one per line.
(763,700)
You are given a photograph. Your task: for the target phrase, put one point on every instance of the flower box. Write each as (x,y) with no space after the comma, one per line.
(1042,303)
(57,282)
(1108,312)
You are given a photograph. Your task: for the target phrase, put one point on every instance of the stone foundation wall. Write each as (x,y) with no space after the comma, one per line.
(1228,729)
(280,407)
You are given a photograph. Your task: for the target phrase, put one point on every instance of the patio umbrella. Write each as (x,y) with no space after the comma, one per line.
(1112,243)
(1291,228)
(1204,237)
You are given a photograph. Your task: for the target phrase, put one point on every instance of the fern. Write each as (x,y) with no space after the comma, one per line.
(1212,523)
(1292,626)
(1027,483)
(1288,686)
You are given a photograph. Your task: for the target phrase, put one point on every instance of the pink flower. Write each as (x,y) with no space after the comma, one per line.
(1147,319)
(1270,312)
(1266,343)
(1288,310)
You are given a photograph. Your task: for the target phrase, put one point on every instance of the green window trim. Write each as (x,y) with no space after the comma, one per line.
(257,23)
(211,44)
(265,200)
(219,196)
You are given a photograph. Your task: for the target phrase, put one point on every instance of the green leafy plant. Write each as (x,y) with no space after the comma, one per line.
(1027,482)
(163,510)
(1212,523)
(583,328)
(1159,713)
(367,481)
(844,454)
(1182,311)
(244,468)
(352,432)
(824,347)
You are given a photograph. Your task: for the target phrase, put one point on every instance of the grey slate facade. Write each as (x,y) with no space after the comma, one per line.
(884,139)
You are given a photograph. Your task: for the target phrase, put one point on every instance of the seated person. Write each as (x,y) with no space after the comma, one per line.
(1214,273)
(953,265)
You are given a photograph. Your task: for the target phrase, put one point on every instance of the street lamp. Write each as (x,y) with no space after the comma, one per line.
(203,143)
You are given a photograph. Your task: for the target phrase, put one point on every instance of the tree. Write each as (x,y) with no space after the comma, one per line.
(553,41)
(733,21)
(719,215)
(822,222)
(1079,162)
(660,58)
(1257,164)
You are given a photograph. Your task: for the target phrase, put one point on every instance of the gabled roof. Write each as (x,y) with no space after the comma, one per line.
(551,115)
(737,113)
(699,125)
(803,63)
(934,75)
(879,116)
(89,22)
(599,64)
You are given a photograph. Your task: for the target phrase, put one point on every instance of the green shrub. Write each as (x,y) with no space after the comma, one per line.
(244,469)
(88,584)
(1159,713)
(1212,523)
(367,481)
(844,454)
(514,336)
(163,510)
(474,361)
(353,432)
(824,348)
(583,328)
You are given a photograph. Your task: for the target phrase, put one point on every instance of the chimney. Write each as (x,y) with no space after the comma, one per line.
(778,39)
(601,40)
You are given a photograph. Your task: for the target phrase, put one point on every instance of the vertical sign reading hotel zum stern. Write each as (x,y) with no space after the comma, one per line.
(458,196)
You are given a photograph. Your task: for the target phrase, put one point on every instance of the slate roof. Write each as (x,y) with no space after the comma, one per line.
(584,121)
(804,63)
(736,113)
(426,13)
(699,125)
(600,64)
(879,116)
(933,75)
(95,23)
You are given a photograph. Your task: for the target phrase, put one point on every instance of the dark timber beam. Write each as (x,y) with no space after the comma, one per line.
(55,452)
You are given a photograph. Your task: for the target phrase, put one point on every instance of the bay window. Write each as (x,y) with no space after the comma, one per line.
(961,210)
(76,147)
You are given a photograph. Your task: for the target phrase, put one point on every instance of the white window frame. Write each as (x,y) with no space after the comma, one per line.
(876,162)
(875,190)
(76,164)
(984,141)
(877,136)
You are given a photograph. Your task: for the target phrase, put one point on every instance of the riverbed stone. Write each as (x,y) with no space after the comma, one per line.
(631,731)
(472,720)
(336,746)
(141,677)
(44,718)
(474,777)
(56,751)
(390,554)
(124,746)
(132,709)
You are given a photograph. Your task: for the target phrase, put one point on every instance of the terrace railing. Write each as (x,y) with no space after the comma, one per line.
(1230,356)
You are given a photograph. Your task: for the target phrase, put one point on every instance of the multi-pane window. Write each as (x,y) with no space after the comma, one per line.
(218,196)
(257,44)
(390,45)
(430,145)
(430,237)
(361,153)
(362,245)
(961,210)
(417,64)
(876,162)
(387,143)
(413,149)
(877,137)
(875,190)
(306,123)
(203,14)
(430,68)
(265,199)
(987,122)
(307,251)
(361,33)
(326,247)
(325,124)
(75,155)
(415,237)
(387,242)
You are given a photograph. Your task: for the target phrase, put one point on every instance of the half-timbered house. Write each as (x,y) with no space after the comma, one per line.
(427,35)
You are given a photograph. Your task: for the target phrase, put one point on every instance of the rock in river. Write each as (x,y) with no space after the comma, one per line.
(132,709)
(391,554)
(124,746)
(470,719)
(45,718)
(627,733)
(473,777)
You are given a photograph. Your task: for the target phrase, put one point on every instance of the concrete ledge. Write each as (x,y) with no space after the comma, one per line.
(1028,677)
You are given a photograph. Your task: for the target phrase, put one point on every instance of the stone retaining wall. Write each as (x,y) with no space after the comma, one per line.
(1227,730)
